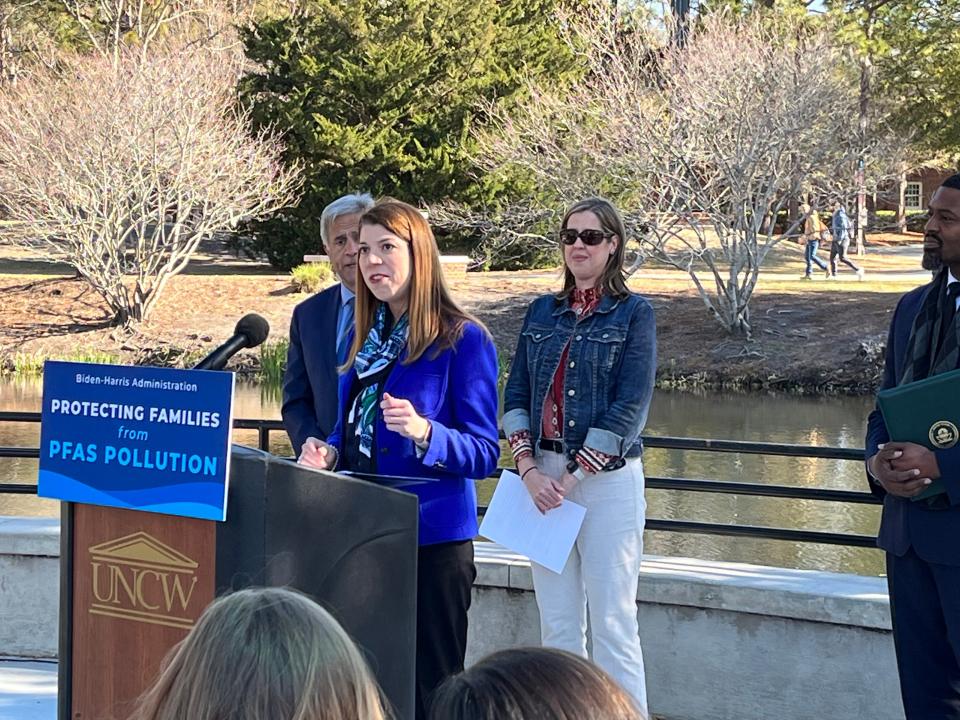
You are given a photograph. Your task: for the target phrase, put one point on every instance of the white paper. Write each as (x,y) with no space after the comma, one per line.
(514,521)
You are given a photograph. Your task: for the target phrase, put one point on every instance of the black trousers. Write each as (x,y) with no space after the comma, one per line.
(840,250)
(445,575)
(925,608)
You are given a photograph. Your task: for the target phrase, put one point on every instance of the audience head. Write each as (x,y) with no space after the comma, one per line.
(264,654)
(532,684)
(601,263)
(339,230)
(400,266)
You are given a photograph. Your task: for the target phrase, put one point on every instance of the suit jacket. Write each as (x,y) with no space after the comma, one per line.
(933,534)
(310,380)
(457,392)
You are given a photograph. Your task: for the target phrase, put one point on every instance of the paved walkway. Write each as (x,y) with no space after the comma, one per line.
(28,690)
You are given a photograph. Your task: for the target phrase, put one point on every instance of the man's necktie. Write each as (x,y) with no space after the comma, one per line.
(343,347)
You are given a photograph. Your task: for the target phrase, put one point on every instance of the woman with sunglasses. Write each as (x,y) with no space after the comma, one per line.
(418,397)
(574,405)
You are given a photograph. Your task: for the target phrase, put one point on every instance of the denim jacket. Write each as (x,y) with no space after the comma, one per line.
(611,368)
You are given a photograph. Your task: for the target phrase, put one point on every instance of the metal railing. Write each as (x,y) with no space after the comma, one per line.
(264,429)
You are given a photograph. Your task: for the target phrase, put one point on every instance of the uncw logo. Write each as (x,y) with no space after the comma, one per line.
(139,578)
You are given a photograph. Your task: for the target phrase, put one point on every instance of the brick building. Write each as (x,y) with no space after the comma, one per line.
(920,186)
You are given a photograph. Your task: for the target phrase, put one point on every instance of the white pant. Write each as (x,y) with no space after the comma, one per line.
(600,576)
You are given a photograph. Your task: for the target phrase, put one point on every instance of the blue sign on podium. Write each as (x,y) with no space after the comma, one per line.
(143,438)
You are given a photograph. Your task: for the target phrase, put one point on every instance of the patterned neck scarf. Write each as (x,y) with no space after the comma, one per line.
(924,357)
(378,352)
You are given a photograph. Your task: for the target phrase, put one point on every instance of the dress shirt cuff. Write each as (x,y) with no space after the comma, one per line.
(593,461)
(521,445)
(514,421)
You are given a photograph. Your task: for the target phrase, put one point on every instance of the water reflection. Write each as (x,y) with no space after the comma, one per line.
(767,418)
(762,418)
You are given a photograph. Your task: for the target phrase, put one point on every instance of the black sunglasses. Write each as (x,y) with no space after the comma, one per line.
(568,236)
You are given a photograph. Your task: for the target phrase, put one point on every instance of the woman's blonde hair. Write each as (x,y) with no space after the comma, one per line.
(432,313)
(264,654)
(612,280)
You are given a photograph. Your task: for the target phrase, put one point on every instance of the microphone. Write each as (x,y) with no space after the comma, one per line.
(250,331)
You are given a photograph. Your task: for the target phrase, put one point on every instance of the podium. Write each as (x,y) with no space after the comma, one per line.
(132,583)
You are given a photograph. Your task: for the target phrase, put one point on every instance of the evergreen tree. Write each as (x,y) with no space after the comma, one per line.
(917,43)
(381,96)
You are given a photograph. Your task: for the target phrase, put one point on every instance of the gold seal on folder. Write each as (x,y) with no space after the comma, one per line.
(943,434)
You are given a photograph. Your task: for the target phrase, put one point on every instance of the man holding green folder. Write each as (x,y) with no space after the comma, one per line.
(922,537)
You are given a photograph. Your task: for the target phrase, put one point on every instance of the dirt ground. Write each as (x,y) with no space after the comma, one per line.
(807,335)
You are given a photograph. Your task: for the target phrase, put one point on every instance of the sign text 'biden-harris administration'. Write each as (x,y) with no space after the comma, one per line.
(142,438)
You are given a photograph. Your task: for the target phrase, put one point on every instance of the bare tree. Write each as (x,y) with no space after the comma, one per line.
(121,170)
(701,142)
(503,236)
(509,235)
(37,32)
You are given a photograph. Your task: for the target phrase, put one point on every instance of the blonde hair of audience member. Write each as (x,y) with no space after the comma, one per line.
(532,684)
(264,654)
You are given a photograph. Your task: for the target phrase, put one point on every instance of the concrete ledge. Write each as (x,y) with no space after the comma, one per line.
(722,641)
(29,586)
(777,592)
(30,536)
(727,641)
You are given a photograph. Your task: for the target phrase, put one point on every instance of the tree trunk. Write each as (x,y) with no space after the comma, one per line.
(793,212)
(734,309)
(866,82)
(766,225)
(901,216)
(8,59)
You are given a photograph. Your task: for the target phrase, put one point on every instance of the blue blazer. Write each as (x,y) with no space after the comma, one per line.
(310,380)
(457,392)
(933,534)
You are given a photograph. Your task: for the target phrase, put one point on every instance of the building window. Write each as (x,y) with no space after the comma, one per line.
(913,196)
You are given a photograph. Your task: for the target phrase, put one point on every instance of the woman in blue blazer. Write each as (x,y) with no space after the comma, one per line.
(418,396)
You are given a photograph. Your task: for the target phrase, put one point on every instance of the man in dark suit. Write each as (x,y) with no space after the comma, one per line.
(922,538)
(320,328)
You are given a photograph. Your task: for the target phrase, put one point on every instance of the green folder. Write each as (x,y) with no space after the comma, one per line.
(926,412)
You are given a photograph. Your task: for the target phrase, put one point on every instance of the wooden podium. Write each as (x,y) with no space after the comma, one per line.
(132,583)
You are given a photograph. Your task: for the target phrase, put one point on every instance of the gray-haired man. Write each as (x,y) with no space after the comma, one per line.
(320,327)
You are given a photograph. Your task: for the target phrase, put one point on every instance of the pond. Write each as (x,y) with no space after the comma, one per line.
(835,421)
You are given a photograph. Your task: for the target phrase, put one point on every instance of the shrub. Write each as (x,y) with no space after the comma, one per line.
(273,362)
(532,257)
(886,221)
(916,221)
(31,364)
(310,277)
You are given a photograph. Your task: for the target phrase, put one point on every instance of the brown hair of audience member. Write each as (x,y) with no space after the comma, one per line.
(264,654)
(532,684)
